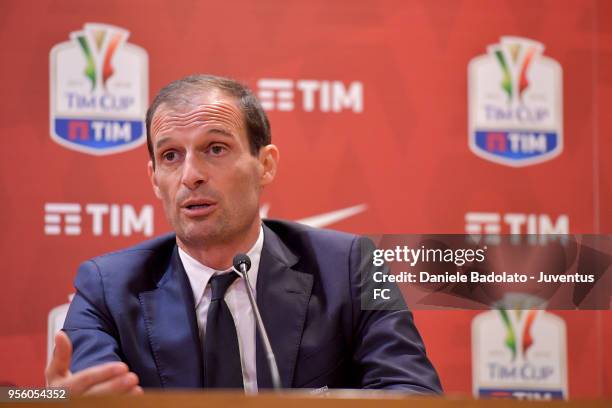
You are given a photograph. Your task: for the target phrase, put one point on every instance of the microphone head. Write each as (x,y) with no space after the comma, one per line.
(242,259)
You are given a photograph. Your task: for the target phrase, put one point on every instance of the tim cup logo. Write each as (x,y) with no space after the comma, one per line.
(515,104)
(519,352)
(99,91)
(518,337)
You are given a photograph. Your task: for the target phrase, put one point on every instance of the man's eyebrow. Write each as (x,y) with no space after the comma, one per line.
(162,141)
(219,131)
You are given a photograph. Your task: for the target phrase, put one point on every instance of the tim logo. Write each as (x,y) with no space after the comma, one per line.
(519,353)
(515,104)
(310,95)
(103,219)
(99,91)
(477,223)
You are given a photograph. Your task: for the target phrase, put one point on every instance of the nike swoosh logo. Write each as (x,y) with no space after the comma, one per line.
(332,217)
(322,220)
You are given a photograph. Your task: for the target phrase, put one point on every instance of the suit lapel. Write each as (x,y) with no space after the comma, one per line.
(170,319)
(282,296)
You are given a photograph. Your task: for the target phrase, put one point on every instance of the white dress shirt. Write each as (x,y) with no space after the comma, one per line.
(237,301)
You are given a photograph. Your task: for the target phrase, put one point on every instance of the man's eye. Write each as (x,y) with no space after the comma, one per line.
(169,156)
(217,150)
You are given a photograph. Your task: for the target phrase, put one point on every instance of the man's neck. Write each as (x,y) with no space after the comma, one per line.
(220,256)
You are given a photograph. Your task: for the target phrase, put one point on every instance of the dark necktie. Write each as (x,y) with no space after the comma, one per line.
(222,368)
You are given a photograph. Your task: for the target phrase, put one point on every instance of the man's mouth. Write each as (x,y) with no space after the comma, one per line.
(196,206)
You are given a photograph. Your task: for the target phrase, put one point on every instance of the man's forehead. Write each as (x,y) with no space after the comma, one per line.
(193,100)
(199,109)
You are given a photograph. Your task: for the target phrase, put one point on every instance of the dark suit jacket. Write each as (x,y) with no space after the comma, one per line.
(136,305)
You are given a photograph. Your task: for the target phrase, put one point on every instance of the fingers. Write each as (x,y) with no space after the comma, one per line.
(59,366)
(126,383)
(102,379)
(137,390)
(82,381)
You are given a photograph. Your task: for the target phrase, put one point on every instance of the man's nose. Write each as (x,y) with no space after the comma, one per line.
(194,172)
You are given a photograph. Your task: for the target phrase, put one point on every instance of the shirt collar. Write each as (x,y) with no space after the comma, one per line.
(199,274)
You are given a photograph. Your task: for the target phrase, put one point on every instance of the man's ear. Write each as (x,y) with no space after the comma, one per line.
(268,157)
(151,172)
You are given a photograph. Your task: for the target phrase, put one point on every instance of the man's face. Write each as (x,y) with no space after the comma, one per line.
(204,173)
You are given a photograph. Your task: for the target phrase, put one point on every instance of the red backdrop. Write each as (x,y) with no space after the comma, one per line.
(403,154)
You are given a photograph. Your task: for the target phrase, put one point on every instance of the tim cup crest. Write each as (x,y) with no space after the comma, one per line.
(515,104)
(99,91)
(519,354)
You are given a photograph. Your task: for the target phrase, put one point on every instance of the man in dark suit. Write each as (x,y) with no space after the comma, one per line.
(172,309)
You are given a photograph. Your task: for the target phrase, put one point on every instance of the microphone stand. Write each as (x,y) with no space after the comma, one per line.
(261,329)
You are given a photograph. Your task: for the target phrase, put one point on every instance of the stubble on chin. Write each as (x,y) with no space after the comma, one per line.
(193,235)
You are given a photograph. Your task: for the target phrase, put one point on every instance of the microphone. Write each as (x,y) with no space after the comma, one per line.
(242,264)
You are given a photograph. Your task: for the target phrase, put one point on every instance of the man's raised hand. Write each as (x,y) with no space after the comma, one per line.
(107,378)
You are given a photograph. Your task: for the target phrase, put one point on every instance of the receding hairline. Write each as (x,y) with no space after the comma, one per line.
(177,101)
